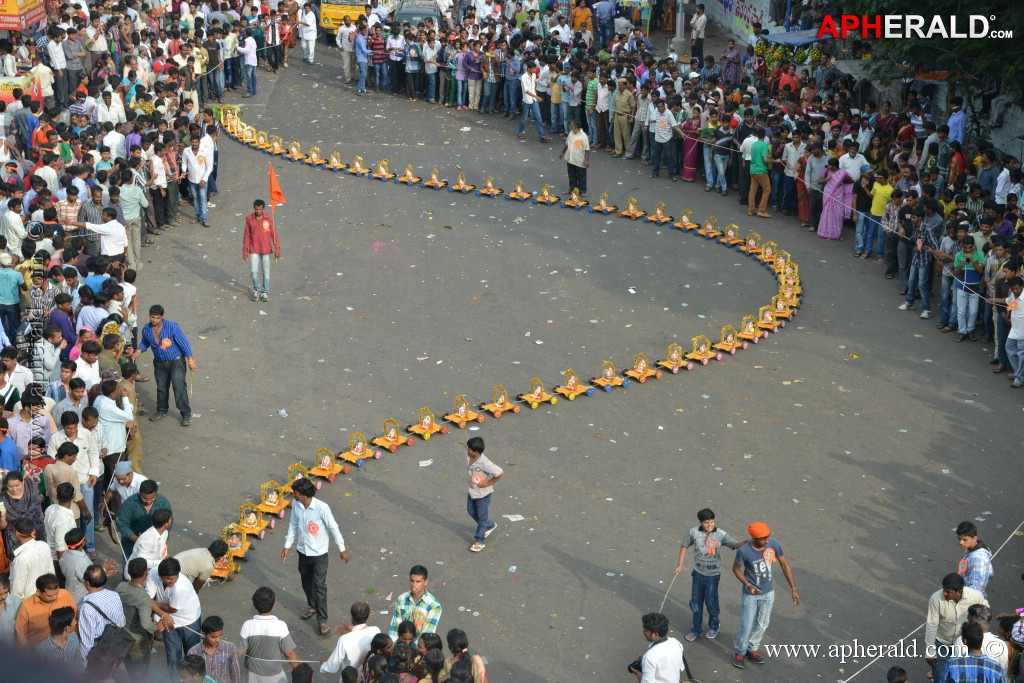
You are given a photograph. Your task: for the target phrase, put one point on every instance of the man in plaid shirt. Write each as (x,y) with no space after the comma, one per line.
(976,564)
(417,605)
(975,667)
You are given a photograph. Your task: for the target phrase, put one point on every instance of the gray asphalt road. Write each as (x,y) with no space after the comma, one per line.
(859,433)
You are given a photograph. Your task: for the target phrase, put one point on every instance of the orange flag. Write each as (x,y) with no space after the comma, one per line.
(276,196)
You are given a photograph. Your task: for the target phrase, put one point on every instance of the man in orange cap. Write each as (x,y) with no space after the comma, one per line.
(753,568)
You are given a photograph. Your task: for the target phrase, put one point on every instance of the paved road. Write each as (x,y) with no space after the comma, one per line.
(860,434)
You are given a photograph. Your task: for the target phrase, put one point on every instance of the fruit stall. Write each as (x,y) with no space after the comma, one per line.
(799,47)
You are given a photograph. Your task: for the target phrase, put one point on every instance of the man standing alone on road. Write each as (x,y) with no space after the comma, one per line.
(312,523)
(706,539)
(258,243)
(171,353)
(753,568)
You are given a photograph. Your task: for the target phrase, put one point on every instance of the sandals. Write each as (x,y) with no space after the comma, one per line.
(308,614)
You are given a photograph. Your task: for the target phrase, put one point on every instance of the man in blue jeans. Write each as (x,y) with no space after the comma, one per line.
(707,540)
(924,245)
(171,353)
(483,474)
(753,568)
(531,105)
(197,165)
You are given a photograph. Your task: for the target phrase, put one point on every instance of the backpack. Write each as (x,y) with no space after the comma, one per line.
(116,640)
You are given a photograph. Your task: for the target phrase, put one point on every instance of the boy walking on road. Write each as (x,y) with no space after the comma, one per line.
(483,474)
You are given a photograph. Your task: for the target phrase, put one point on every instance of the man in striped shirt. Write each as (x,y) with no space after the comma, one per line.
(99,607)
(264,640)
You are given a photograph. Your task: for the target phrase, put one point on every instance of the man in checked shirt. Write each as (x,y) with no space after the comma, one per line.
(976,564)
(417,605)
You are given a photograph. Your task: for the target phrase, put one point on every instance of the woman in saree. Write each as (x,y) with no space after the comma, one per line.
(885,122)
(668,17)
(582,18)
(833,206)
(732,67)
(691,144)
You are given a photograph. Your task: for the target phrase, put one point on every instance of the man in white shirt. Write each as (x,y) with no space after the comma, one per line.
(126,484)
(354,644)
(792,152)
(947,611)
(698,24)
(307,32)
(59,64)
(993,647)
(151,544)
(87,465)
(313,524)
(663,661)
(197,167)
(58,520)
(114,140)
(345,40)
(177,606)
(31,559)
(114,238)
(528,82)
(12,226)
(1003,180)
(110,110)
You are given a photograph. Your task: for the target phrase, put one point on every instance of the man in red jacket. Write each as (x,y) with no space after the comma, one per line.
(258,243)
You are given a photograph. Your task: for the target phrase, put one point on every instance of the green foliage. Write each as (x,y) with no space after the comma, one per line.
(968,60)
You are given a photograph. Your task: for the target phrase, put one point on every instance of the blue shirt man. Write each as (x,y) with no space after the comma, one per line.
(171,353)
(9,459)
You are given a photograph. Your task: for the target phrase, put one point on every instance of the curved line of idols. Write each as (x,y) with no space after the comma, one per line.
(255,519)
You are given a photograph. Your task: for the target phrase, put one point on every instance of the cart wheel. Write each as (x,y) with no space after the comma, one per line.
(330,477)
(572,397)
(703,361)
(246,557)
(478,193)
(392,448)
(426,437)
(280,513)
(450,189)
(590,209)
(554,400)
(497,414)
(607,387)
(522,199)
(756,338)
(675,370)
(462,425)
(625,383)
(253,543)
(657,374)
(775,330)
(604,212)
(516,409)
(744,346)
(359,462)
(479,418)
(319,484)
(732,351)
(561,204)
(263,533)
(689,366)
(646,220)
(423,185)
(782,323)
(534,201)
(507,198)
(408,442)
(346,469)
(533,405)
(590,391)
(718,356)
(397,181)
(641,379)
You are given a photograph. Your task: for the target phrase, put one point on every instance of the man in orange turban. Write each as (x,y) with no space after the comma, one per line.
(753,568)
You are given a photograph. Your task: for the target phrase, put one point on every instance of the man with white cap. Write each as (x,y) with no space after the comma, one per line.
(753,568)
(126,483)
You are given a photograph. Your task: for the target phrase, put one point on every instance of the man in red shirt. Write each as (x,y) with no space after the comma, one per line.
(258,243)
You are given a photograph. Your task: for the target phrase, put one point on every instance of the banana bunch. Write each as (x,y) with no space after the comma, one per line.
(800,56)
(815,54)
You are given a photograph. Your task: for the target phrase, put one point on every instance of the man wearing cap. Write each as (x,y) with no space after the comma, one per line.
(125,485)
(753,568)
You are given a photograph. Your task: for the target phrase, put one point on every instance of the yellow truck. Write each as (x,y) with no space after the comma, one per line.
(333,11)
